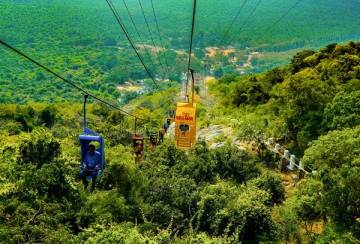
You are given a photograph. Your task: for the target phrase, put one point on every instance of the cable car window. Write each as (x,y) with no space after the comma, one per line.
(184,127)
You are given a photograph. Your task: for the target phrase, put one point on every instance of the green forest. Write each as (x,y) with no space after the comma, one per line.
(205,195)
(82,40)
(277,153)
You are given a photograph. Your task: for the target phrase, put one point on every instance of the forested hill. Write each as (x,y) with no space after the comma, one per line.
(312,106)
(226,194)
(70,23)
(81,40)
(317,92)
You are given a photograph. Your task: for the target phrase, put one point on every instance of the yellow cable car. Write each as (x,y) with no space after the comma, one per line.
(185,122)
(185,125)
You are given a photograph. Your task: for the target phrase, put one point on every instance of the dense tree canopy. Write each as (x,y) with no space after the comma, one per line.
(229,193)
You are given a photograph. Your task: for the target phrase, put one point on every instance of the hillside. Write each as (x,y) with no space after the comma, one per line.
(81,40)
(205,195)
(317,92)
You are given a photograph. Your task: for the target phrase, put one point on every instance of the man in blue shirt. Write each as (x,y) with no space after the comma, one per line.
(91,166)
(166,125)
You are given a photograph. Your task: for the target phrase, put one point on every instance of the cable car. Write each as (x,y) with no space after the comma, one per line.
(185,125)
(153,140)
(138,143)
(86,138)
(185,122)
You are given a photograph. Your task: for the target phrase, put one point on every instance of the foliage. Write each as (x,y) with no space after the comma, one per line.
(47,116)
(235,164)
(94,54)
(38,150)
(311,107)
(203,195)
(343,111)
(302,209)
(42,205)
(122,233)
(226,209)
(310,96)
(336,158)
(273,185)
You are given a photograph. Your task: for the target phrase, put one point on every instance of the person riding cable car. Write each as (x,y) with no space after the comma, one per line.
(91,166)
(153,140)
(166,125)
(185,120)
(138,144)
(92,158)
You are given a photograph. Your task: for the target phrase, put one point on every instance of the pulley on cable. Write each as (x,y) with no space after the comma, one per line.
(185,120)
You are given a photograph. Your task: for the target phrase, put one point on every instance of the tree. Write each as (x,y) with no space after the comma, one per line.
(219,72)
(273,185)
(236,164)
(169,196)
(104,208)
(303,208)
(47,116)
(343,111)
(250,91)
(308,203)
(40,149)
(42,205)
(298,61)
(121,233)
(200,166)
(305,96)
(170,200)
(336,159)
(228,78)
(225,209)
(275,76)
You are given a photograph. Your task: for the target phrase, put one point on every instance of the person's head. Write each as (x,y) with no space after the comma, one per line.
(91,149)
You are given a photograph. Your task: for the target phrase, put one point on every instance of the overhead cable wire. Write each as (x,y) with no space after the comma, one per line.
(138,33)
(247,20)
(226,33)
(282,16)
(191,44)
(151,35)
(123,28)
(71,83)
(160,38)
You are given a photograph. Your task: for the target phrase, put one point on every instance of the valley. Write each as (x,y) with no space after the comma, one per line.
(100,141)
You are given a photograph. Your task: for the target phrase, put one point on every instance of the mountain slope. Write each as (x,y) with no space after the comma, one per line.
(81,40)
(203,195)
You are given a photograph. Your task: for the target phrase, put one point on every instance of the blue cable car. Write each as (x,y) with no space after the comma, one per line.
(85,140)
